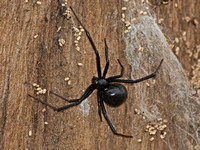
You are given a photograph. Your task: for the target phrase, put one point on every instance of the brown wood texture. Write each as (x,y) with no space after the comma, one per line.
(30,53)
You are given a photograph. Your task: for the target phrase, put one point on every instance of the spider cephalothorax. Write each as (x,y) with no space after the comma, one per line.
(111,93)
(99,84)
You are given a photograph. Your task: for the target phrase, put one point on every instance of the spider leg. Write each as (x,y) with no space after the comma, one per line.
(99,104)
(70,101)
(87,93)
(107,60)
(118,76)
(93,45)
(138,80)
(109,122)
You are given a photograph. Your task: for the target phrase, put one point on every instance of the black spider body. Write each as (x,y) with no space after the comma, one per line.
(108,89)
(114,95)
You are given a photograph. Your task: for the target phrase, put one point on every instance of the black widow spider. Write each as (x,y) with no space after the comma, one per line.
(112,94)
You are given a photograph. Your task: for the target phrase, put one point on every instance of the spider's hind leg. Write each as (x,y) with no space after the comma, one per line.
(109,122)
(87,93)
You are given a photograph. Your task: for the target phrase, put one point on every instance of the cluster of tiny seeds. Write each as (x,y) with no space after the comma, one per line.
(67,13)
(67,79)
(193,53)
(38,89)
(77,35)
(61,42)
(128,23)
(154,127)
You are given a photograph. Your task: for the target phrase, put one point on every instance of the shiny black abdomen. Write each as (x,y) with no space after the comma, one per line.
(114,95)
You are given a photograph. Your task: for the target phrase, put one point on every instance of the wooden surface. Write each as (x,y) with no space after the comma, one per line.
(30,53)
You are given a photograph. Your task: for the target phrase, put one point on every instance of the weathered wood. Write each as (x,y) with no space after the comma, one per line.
(30,53)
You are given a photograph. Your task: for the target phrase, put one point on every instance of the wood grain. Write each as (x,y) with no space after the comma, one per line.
(30,53)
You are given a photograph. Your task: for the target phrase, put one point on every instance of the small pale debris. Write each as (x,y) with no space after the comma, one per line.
(61,42)
(141,49)
(139,140)
(154,81)
(159,119)
(129,28)
(126,31)
(153,132)
(26,1)
(187,18)
(76,42)
(78,38)
(44,110)
(145,13)
(44,91)
(30,133)
(141,12)
(38,2)
(124,8)
(38,89)
(137,111)
(125,0)
(184,33)
(176,5)
(59,28)
(69,82)
(127,23)
(177,50)
(35,85)
(123,20)
(46,123)
(196,22)
(80,64)
(162,136)
(160,20)
(67,79)
(151,139)
(78,48)
(162,127)
(123,15)
(133,19)
(147,84)
(35,36)
(176,40)
(165,2)
(76,29)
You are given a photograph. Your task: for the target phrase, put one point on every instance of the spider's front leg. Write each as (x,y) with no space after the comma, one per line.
(138,80)
(107,60)
(87,93)
(92,43)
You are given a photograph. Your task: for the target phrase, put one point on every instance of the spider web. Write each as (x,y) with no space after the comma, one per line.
(175,101)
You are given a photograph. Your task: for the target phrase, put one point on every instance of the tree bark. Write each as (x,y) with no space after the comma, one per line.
(31,52)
